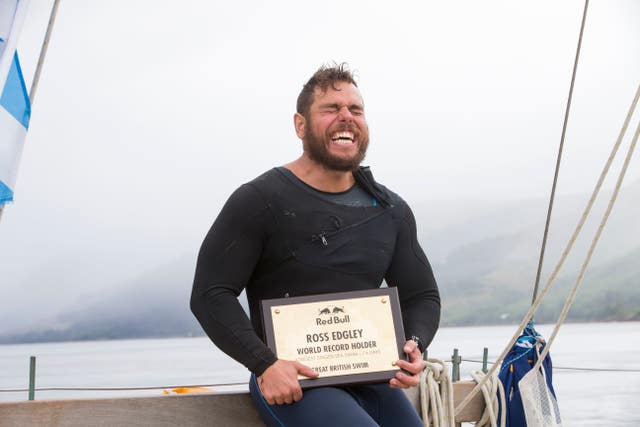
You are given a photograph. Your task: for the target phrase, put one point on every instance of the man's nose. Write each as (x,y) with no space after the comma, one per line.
(345,114)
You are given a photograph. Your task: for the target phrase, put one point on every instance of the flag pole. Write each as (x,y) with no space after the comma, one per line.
(43,51)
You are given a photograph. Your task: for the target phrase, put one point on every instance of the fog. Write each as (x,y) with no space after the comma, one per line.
(149,114)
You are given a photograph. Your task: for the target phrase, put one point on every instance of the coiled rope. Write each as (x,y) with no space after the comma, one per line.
(494,399)
(436,397)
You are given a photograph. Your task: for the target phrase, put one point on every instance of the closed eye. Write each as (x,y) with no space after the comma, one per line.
(330,108)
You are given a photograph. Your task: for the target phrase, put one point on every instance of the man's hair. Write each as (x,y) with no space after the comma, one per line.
(325,76)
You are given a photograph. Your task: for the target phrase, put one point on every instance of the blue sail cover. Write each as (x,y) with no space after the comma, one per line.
(15,109)
(515,366)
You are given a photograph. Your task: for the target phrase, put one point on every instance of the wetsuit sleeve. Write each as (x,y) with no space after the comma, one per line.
(411,272)
(226,261)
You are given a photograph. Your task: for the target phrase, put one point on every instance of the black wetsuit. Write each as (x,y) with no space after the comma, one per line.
(276,238)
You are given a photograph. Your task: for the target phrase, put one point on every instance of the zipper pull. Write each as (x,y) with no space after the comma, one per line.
(321,238)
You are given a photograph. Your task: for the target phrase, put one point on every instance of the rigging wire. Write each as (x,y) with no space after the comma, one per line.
(572,239)
(567,249)
(18,390)
(594,242)
(559,157)
(570,368)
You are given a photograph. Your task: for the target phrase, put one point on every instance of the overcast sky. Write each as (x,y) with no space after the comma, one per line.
(149,114)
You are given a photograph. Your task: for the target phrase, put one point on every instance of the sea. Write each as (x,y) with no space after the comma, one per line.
(596,372)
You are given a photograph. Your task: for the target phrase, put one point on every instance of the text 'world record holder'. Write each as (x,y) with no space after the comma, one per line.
(347,337)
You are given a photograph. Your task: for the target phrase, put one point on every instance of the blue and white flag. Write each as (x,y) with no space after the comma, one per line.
(15,108)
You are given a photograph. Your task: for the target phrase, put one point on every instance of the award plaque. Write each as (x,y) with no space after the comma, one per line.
(347,337)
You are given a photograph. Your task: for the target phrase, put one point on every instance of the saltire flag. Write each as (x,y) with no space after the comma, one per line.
(15,109)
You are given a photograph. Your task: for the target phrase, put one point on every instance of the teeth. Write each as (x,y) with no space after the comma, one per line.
(343,135)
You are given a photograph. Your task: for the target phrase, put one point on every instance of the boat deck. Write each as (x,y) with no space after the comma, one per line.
(202,409)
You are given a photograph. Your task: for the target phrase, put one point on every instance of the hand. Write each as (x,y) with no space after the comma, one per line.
(414,366)
(279,382)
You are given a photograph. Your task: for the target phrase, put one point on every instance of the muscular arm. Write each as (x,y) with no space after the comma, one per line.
(411,273)
(226,261)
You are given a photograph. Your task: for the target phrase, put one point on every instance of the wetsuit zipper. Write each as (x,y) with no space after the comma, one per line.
(323,236)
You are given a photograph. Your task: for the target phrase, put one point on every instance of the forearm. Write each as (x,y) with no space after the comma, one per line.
(227,325)
(421,317)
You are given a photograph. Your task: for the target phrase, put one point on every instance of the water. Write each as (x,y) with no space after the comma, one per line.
(585,398)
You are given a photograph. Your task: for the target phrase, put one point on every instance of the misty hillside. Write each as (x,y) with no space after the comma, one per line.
(608,292)
(484,258)
(490,279)
(152,305)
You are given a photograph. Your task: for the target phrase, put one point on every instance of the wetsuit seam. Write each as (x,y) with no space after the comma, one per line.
(413,241)
(267,205)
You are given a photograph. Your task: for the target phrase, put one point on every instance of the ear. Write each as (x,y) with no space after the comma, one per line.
(299,123)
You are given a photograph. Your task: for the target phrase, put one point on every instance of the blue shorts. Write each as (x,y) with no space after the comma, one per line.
(353,406)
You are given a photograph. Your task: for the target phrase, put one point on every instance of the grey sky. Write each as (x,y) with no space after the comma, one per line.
(149,114)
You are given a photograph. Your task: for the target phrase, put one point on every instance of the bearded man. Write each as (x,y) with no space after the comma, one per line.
(316,225)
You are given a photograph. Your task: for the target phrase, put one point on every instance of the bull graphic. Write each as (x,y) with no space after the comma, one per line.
(338,310)
(325,311)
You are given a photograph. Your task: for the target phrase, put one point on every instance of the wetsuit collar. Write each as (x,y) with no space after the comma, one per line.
(364,177)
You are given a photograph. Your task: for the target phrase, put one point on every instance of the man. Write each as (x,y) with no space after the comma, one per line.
(316,225)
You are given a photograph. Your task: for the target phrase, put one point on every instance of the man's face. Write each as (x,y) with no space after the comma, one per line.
(335,131)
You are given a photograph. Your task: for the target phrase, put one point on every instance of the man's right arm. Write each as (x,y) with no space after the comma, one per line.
(227,258)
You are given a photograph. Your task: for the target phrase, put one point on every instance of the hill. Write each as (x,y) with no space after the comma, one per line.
(484,257)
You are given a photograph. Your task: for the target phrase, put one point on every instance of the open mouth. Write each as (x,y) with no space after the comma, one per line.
(343,138)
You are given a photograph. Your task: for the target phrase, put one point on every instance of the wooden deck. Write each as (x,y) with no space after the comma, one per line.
(211,409)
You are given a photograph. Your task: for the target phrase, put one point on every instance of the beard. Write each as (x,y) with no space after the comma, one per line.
(314,145)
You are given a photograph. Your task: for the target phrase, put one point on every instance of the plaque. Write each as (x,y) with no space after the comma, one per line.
(347,337)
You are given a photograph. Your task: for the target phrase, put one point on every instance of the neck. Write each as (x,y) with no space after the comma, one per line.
(319,177)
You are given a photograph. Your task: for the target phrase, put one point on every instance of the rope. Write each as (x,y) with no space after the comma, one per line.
(594,242)
(559,157)
(566,251)
(494,399)
(436,395)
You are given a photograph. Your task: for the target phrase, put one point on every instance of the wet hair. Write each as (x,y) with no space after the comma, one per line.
(325,76)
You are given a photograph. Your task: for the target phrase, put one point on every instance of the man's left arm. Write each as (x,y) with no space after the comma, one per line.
(411,273)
